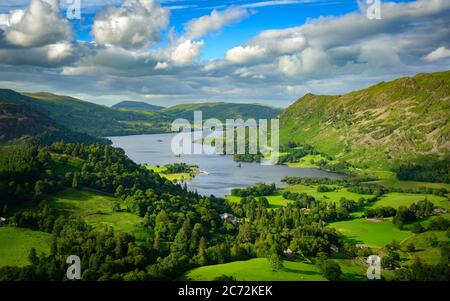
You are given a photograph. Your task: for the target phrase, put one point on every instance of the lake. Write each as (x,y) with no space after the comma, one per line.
(223,173)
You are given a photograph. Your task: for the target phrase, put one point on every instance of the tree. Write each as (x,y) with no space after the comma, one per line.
(275,261)
(39,189)
(331,270)
(54,247)
(202,251)
(321,257)
(402,216)
(32,257)
(445,253)
(393,246)
(417,228)
(75,180)
(390,261)
(224,278)
(115,206)
(410,247)
(119,191)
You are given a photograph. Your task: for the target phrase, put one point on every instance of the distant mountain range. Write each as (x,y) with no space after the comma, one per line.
(139,105)
(402,120)
(218,110)
(222,111)
(77,116)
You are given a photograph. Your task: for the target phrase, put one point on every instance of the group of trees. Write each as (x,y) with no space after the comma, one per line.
(259,189)
(179,168)
(429,170)
(404,215)
(358,184)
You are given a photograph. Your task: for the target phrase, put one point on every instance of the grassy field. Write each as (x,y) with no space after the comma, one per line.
(183,176)
(16,243)
(308,161)
(275,201)
(393,183)
(351,271)
(95,208)
(374,234)
(397,199)
(333,196)
(424,250)
(257,269)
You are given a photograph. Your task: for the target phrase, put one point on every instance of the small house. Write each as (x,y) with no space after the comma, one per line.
(288,253)
(334,248)
(226,217)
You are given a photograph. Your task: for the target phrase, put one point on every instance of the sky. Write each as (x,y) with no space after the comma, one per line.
(248,51)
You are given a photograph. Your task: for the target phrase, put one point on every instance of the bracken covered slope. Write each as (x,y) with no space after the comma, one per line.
(380,126)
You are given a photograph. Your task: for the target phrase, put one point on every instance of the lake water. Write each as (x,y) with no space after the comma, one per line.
(223,173)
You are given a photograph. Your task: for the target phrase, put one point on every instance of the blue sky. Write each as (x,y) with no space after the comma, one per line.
(272,16)
(260,51)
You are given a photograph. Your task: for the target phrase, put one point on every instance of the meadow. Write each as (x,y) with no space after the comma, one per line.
(174,177)
(332,196)
(397,199)
(96,208)
(426,246)
(275,201)
(257,269)
(16,243)
(308,161)
(374,234)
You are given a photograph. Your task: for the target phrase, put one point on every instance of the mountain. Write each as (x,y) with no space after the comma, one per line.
(86,117)
(20,123)
(101,121)
(222,111)
(403,120)
(136,105)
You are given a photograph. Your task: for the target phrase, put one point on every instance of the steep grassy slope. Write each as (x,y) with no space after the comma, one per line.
(379,126)
(21,123)
(87,117)
(222,111)
(16,243)
(139,105)
(95,208)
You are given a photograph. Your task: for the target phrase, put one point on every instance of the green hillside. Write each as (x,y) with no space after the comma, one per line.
(86,117)
(127,118)
(139,105)
(377,127)
(21,123)
(222,111)
(16,243)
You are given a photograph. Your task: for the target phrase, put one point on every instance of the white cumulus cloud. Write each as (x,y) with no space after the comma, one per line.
(438,54)
(187,51)
(137,23)
(217,20)
(245,54)
(38,25)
